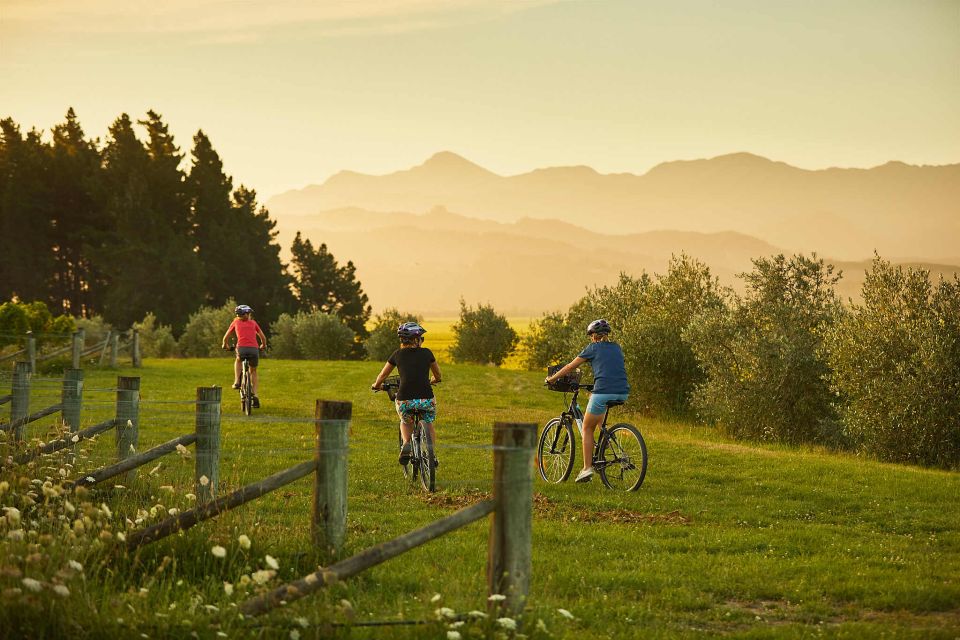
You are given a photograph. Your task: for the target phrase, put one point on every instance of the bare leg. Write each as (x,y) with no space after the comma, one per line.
(236,371)
(255,379)
(433,437)
(590,422)
(406,430)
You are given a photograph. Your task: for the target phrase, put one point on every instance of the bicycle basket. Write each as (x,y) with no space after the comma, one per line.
(563,383)
(391,385)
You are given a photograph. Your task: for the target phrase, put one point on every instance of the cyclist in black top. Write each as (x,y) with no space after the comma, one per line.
(415,364)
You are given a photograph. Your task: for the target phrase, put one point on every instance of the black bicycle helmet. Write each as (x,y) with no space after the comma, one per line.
(599,326)
(409,330)
(242,310)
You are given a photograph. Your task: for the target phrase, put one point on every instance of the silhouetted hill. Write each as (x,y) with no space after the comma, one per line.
(896,209)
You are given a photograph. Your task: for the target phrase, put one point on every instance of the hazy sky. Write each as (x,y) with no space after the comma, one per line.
(293,91)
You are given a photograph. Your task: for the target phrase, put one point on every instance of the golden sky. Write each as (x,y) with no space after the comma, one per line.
(292,91)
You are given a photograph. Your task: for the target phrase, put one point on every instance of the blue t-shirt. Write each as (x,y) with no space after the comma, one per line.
(609,372)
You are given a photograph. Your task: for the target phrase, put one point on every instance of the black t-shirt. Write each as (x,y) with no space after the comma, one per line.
(414,366)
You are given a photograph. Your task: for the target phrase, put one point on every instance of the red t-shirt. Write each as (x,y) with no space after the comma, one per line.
(246,332)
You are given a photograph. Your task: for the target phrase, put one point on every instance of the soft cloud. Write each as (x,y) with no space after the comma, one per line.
(229,21)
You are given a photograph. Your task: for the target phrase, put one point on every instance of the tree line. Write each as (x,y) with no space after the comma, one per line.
(120,229)
(786,360)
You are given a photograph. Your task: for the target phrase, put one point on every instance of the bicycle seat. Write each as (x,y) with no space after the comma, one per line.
(614,403)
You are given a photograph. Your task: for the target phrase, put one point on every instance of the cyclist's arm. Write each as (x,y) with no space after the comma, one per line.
(435,370)
(263,338)
(387,368)
(227,335)
(573,364)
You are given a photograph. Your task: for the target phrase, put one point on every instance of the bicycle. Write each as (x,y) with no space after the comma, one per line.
(619,452)
(246,384)
(422,462)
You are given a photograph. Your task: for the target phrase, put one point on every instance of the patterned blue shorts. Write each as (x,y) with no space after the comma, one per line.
(427,407)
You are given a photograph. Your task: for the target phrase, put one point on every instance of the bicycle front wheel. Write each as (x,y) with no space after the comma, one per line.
(425,460)
(622,463)
(556,451)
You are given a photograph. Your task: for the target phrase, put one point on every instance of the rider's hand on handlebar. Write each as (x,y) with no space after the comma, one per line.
(376,387)
(435,381)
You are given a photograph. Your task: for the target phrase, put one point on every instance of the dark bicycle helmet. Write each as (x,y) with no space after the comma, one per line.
(410,330)
(599,326)
(242,310)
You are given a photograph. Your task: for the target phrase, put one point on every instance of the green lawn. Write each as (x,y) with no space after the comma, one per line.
(723,538)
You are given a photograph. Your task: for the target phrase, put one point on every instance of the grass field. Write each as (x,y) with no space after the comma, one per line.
(722,539)
(440,337)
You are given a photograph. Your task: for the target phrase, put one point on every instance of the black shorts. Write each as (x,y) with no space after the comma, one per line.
(251,354)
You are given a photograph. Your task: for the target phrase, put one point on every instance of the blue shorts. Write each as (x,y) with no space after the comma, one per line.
(250,354)
(598,402)
(426,406)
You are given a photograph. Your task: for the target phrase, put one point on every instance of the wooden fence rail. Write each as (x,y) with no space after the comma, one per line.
(509,551)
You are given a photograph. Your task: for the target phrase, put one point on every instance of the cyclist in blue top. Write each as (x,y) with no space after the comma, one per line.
(609,384)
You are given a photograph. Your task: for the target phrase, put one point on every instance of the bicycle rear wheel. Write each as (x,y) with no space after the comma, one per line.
(556,451)
(425,459)
(622,462)
(246,390)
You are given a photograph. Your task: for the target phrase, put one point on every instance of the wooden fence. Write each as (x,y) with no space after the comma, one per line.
(109,349)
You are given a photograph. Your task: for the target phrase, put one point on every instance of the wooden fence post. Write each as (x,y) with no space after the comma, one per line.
(71,398)
(208,444)
(20,402)
(78,338)
(114,348)
(330,488)
(135,349)
(509,553)
(128,411)
(32,351)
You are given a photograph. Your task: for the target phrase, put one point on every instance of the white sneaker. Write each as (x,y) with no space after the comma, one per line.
(586,475)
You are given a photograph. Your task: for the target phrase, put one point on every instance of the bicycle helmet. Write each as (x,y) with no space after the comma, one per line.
(242,310)
(599,326)
(409,330)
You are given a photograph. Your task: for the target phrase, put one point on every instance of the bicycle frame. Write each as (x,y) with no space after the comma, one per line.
(574,413)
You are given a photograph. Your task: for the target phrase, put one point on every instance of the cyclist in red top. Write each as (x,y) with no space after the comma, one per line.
(248,333)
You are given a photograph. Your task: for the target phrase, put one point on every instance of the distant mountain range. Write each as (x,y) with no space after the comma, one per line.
(427,262)
(900,210)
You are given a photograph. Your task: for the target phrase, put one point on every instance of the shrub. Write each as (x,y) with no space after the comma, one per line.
(14,322)
(767,376)
(383,339)
(95,329)
(482,336)
(204,331)
(283,338)
(548,342)
(896,367)
(156,340)
(323,336)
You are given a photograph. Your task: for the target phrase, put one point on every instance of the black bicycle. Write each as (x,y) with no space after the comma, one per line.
(422,463)
(619,452)
(246,384)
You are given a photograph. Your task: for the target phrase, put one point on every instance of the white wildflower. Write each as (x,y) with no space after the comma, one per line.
(263,576)
(211,607)
(294,634)
(566,614)
(191,497)
(445,613)
(76,566)
(204,481)
(453,635)
(507,623)
(129,424)
(13,515)
(121,536)
(15,534)
(90,479)
(106,510)
(228,588)
(541,626)
(173,511)
(156,469)
(166,487)
(61,590)
(244,541)
(75,439)
(303,622)
(218,551)
(68,506)
(436,598)
(311,578)
(32,585)
(272,562)
(497,597)
(477,614)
